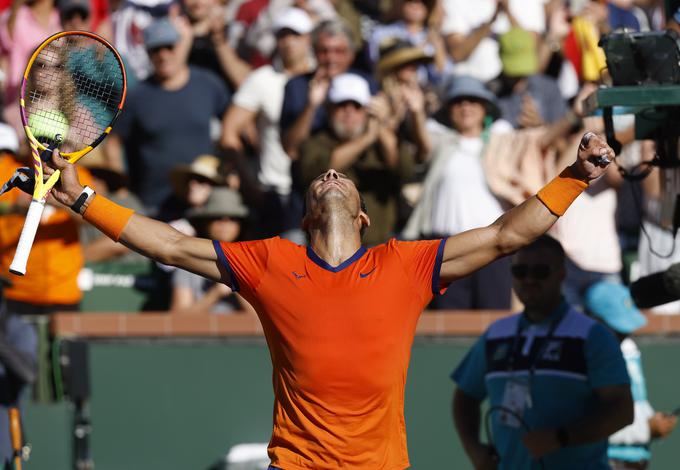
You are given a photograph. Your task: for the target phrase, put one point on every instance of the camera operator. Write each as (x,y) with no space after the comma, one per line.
(18,366)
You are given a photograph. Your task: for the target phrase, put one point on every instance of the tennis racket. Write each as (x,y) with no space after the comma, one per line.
(72,92)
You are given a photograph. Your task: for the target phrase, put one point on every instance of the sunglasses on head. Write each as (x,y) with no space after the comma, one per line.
(534,271)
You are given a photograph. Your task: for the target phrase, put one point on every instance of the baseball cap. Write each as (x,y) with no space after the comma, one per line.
(160,33)
(8,138)
(69,6)
(612,303)
(295,19)
(349,87)
(518,53)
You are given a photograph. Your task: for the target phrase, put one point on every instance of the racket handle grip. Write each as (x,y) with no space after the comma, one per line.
(33,216)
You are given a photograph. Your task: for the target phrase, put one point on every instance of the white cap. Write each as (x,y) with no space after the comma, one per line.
(349,87)
(8,138)
(295,19)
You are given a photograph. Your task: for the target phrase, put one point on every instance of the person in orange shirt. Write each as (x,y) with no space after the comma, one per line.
(50,283)
(339,319)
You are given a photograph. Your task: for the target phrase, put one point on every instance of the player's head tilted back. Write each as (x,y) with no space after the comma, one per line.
(332,196)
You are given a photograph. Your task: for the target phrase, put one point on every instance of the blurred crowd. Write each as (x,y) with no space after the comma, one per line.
(444,113)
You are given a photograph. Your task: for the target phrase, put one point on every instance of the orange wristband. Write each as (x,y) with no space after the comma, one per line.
(107,216)
(558,195)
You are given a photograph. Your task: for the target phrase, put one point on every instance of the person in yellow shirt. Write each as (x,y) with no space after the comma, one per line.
(50,283)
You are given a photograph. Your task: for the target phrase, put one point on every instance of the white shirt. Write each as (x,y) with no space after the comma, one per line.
(262,92)
(484,62)
(463,200)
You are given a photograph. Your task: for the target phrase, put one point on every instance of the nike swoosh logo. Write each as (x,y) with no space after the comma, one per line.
(363,275)
(298,276)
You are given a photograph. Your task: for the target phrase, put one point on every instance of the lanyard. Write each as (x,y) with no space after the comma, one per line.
(539,351)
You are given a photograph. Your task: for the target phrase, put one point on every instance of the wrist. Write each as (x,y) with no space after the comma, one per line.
(74,194)
(577,172)
(81,203)
(562,436)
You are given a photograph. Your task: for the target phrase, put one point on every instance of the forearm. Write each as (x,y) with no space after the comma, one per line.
(235,68)
(298,131)
(602,422)
(461,46)
(467,419)
(421,136)
(17,362)
(389,145)
(346,154)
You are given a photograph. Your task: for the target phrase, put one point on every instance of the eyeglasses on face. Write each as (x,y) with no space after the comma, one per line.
(534,271)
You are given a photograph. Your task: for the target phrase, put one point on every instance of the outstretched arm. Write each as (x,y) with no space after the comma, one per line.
(151,238)
(468,251)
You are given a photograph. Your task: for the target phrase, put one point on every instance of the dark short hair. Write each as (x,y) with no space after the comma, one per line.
(549,243)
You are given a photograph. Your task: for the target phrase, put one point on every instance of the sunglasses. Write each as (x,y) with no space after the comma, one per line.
(534,271)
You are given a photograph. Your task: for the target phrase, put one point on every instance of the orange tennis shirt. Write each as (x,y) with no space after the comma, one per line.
(56,256)
(340,342)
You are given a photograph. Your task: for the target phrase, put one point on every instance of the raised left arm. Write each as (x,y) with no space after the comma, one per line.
(466,252)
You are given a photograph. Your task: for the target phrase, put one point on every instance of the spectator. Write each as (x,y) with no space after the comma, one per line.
(167,118)
(555,378)
(210,47)
(357,142)
(455,177)
(86,15)
(302,112)
(398,70)
(471,33)
(417,24)
(130,18)
(18,368)
(192,186)
(259,100)
(22,28)
(50,283)
(629,448)
(251,32)
(219,219)
(526,98)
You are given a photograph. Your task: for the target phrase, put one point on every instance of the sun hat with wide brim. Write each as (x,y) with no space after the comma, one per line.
(464,86)
(223,202)
(398,53)
(204,165)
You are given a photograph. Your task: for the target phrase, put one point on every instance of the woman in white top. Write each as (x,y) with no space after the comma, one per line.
(456,196)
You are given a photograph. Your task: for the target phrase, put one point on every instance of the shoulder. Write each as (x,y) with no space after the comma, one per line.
(503,327)
(577,325)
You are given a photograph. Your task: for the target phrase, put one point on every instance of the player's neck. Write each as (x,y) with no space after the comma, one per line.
(335,240)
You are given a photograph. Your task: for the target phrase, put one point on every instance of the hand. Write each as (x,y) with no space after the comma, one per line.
(68,187)
(661,425)
(413,97)
(586,90)
(529,115)
(180,22)
(484,457)
(541,442)
(594,156)
(379,107)
(558,22)
(217,25)
(318,88)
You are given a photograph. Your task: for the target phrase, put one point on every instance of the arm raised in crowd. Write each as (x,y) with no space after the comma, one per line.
(154,239)
(469,251)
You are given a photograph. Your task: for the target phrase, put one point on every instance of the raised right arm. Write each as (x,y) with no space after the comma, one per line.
(149,237)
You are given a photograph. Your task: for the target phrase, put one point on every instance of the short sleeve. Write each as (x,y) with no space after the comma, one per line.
(245,262)
(470,373)
(454,22)
(294,101)
(422,261)
(605,362)
(250,95)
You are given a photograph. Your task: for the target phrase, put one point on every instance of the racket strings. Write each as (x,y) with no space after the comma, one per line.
(75,87)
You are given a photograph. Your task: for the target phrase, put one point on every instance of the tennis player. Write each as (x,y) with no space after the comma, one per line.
(339,319)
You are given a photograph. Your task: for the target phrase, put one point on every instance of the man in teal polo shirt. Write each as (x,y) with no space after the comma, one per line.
(555,379)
